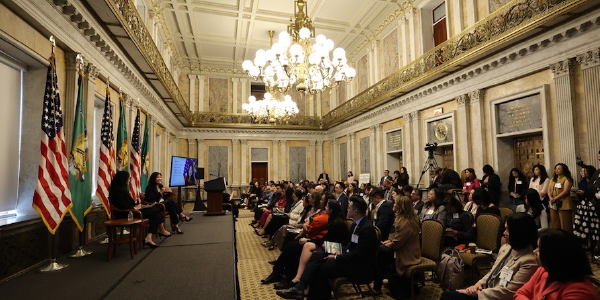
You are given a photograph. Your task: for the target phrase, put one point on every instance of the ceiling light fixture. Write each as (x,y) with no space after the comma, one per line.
(270,110)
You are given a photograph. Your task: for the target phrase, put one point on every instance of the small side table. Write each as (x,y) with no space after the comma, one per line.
(113,241)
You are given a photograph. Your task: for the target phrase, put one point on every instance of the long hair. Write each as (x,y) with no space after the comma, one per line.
(543,173)
(535,203)
(511,178)
(152,179)
(439,198)
(590,170)
(566,172)
(406,211)
(473,175)
(488,170)
(522,231)
(562,256)
(336,214)
(481,197)
(119,184)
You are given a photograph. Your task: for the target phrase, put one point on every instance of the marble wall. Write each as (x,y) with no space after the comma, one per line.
(218,94)
(440,131)
(218,162)
(300,100)
(342,93)
(495,4)
(365,155)
(343,160)
(297,163)
(390,53)
(362,74)
(325,102)
(259,154)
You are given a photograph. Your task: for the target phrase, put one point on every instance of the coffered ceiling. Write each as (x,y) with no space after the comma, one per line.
(224,33)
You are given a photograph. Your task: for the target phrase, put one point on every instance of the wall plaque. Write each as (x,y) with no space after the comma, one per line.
(394,141)
(519,114)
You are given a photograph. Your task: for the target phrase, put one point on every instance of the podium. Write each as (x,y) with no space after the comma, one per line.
(214,188)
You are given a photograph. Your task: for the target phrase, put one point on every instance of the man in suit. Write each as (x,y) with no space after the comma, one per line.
(387,191)
(386,176)
(323,176)
(384,215)
(356,262)
(341,197)
(415,196)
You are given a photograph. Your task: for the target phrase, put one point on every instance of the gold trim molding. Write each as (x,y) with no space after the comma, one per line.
(213,119)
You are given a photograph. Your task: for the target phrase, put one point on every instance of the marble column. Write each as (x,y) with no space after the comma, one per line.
(404,42)
(565,96)
(463,141)
(319,155)
(319,108)
(70,97)
(154,166)
(201,158)
(91,74)
(192,92)
(274,166)
(407,148)
(590,65)
(457,16)
(245,89)
(311,104)
(202,102)
(374,61)
(311,168)
(478,129)
(336,161)
(284,161)
(168,141)
(418,146)
(191,143)
(235,161)
(235,81)
(350,156)
(471,12)
(244,155)
(375,152)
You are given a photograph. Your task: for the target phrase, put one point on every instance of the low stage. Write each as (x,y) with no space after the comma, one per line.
(199,264)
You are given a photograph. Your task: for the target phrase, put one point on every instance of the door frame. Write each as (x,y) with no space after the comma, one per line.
(269,174)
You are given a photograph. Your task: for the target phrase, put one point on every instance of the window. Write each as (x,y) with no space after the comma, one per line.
(11,85)
(440,33)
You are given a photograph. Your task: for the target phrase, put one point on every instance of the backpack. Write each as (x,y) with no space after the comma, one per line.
(450,270)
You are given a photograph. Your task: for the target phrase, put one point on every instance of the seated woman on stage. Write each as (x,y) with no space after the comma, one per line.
(120,198)
(155,193)
(287,262)
(564,271)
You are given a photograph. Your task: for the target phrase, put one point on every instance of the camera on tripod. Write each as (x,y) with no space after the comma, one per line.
(431,147)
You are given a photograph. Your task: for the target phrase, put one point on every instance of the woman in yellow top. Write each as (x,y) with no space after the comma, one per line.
(559,194)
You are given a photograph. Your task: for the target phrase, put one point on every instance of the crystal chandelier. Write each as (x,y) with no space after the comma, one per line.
(270,110)
(293,60)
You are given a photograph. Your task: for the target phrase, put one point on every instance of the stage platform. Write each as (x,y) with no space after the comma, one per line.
(199,264)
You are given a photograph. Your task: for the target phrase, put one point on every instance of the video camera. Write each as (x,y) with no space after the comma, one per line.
(431,147)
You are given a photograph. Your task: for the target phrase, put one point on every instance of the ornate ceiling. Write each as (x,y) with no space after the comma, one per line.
(224,33)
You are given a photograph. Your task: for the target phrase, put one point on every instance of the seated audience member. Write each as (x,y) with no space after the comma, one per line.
(515,264)
(287,262)
(459,224)
(387,191)
(384,214)
(471,182)
(563,272)
(471,206)
(268,201)
(484,203)
(120,198)
(517,186)
(433,207)
(446,179)
(275,221)
(341,197)
(404,243)
(279,206)
(337,232)
(155,193)
(351,190)
(356,261)
(254,193)
(415,196)
(312,207)
(535,208)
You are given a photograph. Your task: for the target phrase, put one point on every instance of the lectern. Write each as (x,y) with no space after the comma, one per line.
(214,188)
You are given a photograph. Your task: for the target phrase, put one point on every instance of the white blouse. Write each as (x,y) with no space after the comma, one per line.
(541,188)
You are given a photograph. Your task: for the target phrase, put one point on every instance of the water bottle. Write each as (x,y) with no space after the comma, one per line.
(130,216)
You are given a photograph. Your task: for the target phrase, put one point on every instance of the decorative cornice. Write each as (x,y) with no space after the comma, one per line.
(211,119)
(462,100)
(589,59)
(496,29)
(415,116)
(267,132)
(562,68)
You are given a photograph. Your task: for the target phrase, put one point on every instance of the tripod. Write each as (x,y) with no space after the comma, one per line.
(430,164)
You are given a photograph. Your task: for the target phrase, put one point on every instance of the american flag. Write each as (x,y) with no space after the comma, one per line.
(106,166)
(52,196)
(135,186)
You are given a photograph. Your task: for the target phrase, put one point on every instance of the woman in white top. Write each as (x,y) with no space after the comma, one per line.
(350,177)
(540,181)
(534,207)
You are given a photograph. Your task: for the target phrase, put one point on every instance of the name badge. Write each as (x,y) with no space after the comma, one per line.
(455,216)
(468,183)
(505,276)
(519,182)
(354,238)
(558,185)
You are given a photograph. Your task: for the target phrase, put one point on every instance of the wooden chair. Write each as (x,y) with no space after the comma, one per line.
(142,228)
(488,237)
(505,212)
(432,239)
(337,283)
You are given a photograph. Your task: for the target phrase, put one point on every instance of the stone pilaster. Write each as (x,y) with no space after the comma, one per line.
(202,102)
(274,166)
(374,152)
(235,81)
(235,161)
(565,96)
(70,97)
(403,51)
(319,154)
(334,174)
(333,98)
(463,140)
(191,144)
(245,90)
(471,12)
(412,34)
(407,148)
(350,161)
(192,100)
(284,161)
(169,153)
(311,168)
(379,151)
(418,145)
(311,104)
(91,74)
(456,15)
(154,164)
(319,108)
(590,65)
(201,149)
(478,130)
(244,179)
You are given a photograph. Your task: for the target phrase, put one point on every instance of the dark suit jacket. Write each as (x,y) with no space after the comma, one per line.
(450,176)
(418,207)
(343,199)
(361,255)
(385,219)
(321,176)
(383,178)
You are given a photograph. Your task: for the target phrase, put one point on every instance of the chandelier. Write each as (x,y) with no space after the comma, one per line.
(270,110)
(294,61)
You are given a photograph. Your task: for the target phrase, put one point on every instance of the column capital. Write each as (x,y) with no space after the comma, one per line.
(562,68)
(407,118)
(191,141)
(589,59)
(71,61)
(415,115)
(462,100)
(409,13)
(373,128)
(379,126)
(283,142)
(153,121)
(312,142)
(192,76)
(91,71)
(129,100)
(235,79)
(319,143)
(244,142)
(201,77)
(235,141)
(476,96)
(200,141)
(334,141)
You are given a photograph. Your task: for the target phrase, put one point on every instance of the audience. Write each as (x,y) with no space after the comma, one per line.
(384,215)
(341,197)
(446,179)
(484,203)
(563,272)
(415,196)
(535,208)
(386,176)
(433,207)
(491,183)
(517,186)
(254,193)
(471,182)
(471,207)
(459,224)
(515,264)
(540,182)
(559,194)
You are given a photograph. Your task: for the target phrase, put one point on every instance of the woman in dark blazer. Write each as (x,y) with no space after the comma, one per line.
(517,186)
(491,183)
(156,193)
(120,198)
(459,224)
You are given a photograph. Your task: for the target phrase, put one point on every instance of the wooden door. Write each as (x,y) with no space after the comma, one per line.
(440,33)
(259,173)
(528,152)
(447,157)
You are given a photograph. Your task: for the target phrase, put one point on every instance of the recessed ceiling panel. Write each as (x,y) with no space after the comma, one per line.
(215,25)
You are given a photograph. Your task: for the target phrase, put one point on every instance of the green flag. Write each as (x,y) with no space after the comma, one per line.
(122,143)
(79,175)
(145,159)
